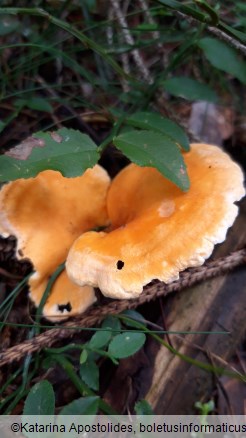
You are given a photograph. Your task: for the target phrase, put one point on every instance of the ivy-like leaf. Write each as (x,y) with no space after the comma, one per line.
(149,148)
(40,400)
(67,151)
(155,122)
(126,344)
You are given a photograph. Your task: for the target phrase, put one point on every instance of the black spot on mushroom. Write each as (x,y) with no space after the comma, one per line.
(20,252)
(64,307)
(120,264)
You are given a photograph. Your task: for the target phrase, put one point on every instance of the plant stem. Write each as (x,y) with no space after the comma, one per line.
(80,385)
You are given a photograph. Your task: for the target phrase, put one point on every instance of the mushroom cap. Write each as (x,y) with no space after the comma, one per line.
(66,298)
(156,229)
(46,214)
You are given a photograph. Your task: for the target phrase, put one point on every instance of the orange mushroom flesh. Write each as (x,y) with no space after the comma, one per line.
(66,298)
(158,230)
(46,214)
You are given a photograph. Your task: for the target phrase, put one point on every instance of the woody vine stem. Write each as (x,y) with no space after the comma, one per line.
(96,315)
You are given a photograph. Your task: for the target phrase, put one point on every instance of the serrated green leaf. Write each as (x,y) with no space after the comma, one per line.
(223,57)
(100,339)
(148,148)
(67,151)
(82,406)
(155,122)
(40,400)
(126,344)
(189,89)
(142,407)
(89,373)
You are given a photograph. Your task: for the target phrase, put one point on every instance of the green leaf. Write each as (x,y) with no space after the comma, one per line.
(142,407)
(126,344)
(231,31)
(91,5)
(100,339)
(89,373)
(223,57)
(83,356)
(66,150)
(155,122)
(151,27)
(131,96)
(179,6)
(2,125)
(8,24)
(189,89)
(133,316)
(241,6)
(112,323)
(205,408)
(148,148)
(40,400)
(82,406)
(35,103)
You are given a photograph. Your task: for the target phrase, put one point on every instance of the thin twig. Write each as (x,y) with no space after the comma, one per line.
(96,315)
(160,100)
(129,39)
(124,56)
(228,39)
(145,7)
(215,31)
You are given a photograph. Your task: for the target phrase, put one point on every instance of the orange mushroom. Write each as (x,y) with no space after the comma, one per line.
(157,230)
(46,214)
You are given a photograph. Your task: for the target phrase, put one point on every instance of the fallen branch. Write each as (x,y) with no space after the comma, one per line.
(95,315)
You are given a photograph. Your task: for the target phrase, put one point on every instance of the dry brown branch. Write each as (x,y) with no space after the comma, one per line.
(97,314)
(160,101)
(124,56)
(149,19)
(228,39)
(129,40)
